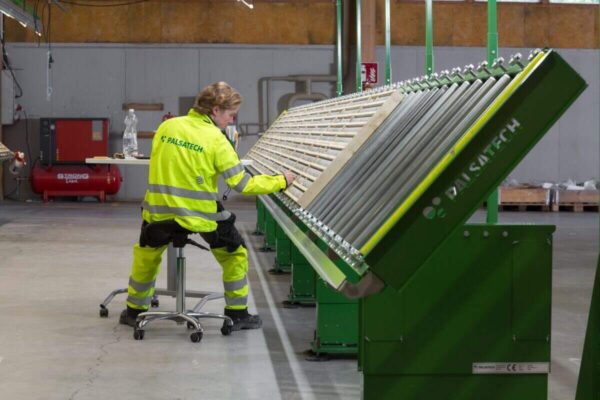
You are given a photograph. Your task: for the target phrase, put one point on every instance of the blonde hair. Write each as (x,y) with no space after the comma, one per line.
(219,94)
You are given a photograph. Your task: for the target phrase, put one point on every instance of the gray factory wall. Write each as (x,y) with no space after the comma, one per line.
(95,80)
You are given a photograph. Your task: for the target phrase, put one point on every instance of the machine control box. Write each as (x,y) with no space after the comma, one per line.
(72,140)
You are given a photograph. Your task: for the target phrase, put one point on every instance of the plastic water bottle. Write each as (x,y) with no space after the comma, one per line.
(130,147)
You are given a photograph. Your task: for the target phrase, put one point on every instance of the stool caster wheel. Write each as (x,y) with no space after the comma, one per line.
(104,312)
(154,303)
(138,334)
(226,330)
(196,337)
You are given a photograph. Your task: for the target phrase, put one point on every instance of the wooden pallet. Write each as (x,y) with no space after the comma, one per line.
(575,200)
(524,207)
(575,207)
(524,198)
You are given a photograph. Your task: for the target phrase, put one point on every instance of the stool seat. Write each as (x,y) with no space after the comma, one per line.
(157,234)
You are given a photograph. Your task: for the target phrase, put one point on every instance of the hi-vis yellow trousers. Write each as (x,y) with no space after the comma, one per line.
(146,264)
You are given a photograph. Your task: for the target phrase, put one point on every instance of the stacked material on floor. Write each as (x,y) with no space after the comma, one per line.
(5,153)
(564,196)
(316,140)
(525,197)
(569,196)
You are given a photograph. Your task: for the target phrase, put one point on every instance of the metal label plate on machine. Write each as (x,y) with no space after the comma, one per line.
(511,368)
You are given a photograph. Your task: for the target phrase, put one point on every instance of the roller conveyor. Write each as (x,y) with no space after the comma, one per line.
(379,213)
(355,193)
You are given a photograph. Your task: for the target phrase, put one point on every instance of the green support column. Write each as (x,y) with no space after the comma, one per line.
(358,47)
(492,54)
(337,322)
(492,44)
(283,257)
(302,285)
(428,37)
(388,42)
(482,300)
(340,77)
(260,217)
(588,385)
(270,224)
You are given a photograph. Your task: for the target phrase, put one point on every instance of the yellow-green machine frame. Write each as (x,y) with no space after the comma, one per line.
(443,309)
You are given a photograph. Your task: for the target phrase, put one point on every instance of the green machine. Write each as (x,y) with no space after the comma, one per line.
(386,182)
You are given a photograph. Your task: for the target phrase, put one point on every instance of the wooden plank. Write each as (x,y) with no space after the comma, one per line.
(333,117)
(143,106)
(310,142)
(308,139)
(524,195)
(333,110)
(576,207)
(361,137)
(357,99)
(563,197)
(339,134)
(145,134)
(302,151)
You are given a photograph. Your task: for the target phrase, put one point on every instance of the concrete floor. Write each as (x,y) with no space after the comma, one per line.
(60,260)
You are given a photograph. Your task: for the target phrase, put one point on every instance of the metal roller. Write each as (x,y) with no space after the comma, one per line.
(402,168)
(336,186)
(359,157)
(407,181)
(331,197)
(307,139)
(375,186)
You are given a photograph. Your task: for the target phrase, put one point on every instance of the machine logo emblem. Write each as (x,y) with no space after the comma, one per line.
(434,211)
(473,170)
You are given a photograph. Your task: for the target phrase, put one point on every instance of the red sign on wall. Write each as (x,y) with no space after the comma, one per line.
(369,73)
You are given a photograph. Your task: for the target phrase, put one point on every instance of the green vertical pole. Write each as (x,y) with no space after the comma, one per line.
(588,384)
(358,48)
(428,37)
(338,8)
(388,45)
(492,43)
(492,54)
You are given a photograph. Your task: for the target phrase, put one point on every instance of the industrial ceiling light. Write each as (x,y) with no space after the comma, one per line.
(24,15)
(249,5)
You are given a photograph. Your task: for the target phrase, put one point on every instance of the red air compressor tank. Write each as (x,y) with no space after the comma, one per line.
(76,180)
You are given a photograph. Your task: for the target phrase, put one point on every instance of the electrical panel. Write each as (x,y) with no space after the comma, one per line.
(72,140)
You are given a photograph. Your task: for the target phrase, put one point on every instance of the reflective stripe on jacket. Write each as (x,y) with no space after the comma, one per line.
(188,155)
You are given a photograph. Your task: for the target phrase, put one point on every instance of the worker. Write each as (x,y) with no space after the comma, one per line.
(188,155)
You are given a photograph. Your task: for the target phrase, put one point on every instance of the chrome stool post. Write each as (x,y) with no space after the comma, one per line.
(181,315)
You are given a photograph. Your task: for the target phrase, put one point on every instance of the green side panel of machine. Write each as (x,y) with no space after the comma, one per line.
(506,135)
(260,217)
(336,329)
(269,238)
(588,386)
(483,297)
(302,285)
(283,252)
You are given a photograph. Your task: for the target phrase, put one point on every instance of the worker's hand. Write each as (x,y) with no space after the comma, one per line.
(290,177)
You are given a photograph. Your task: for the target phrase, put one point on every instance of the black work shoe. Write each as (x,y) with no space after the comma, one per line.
(243,320)
(129,315)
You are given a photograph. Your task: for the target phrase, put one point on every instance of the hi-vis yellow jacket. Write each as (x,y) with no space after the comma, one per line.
(188,155)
